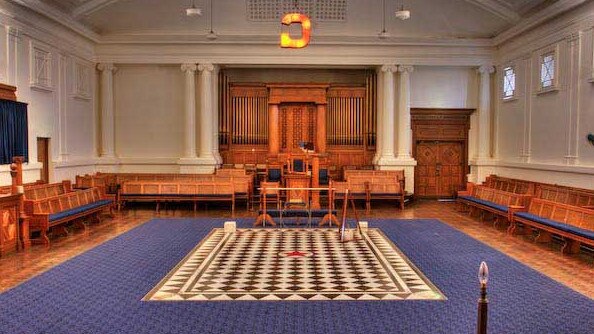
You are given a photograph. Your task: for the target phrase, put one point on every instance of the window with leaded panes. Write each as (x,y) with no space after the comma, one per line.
(509,82)
(547,70)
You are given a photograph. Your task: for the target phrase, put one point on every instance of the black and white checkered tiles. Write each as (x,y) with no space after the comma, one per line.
(294,264)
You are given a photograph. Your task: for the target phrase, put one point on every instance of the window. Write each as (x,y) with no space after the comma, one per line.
(509,82)
(547,71)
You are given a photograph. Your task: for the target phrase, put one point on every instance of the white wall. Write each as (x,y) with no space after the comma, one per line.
(149,116)
(542,135)
(60,108)
(444,87)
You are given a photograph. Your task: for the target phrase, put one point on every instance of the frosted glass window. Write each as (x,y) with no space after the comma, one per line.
(547,70)
(509,82)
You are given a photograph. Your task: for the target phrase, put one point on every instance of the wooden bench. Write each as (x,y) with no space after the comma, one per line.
(388,187)
(370,187)
(491,200)
(243,182)
(68,207)
(6,190)
(399,174)
(574,224)
(510,185)
(566,195)
(178,192)
(41,191)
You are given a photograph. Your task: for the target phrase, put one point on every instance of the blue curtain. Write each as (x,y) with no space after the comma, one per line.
(13,131)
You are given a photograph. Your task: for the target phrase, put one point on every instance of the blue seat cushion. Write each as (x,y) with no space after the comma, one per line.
(321,212)
(490,204)
(274,175)
(78,210)
(557,225)
(323,177)
(298,165)
(286,213)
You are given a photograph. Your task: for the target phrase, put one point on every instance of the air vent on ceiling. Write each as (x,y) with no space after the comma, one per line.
(318,10)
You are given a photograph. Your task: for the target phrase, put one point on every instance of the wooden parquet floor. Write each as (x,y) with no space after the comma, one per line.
(576,271)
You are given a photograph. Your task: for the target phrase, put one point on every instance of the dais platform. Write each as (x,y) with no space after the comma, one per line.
(294,264)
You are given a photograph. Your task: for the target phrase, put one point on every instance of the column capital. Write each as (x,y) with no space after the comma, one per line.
(389,68)
(208,67)
(486,69)
(406,68)
(107,67)
(188,67)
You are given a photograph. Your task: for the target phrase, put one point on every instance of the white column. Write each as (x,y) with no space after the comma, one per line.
(404,126)
(206,115)
(484,135)
(12,55)
(387,146)
(62,107)
(379,117)
(190,111)
(107,111)
(215,118)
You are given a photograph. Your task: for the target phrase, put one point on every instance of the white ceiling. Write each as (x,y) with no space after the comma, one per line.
(430,18)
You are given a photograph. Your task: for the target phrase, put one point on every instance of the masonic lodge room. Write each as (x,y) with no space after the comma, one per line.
(297,166)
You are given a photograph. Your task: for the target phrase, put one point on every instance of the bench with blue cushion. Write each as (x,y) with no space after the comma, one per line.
(574,224)
(491,200)
(57,210)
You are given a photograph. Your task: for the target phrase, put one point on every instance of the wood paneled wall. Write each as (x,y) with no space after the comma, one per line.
(351,117)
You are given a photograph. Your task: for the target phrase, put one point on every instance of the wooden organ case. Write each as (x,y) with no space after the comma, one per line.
(259,122)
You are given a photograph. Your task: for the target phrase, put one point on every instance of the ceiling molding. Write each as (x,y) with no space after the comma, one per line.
(59,17)
(90,7)
(538,18)
(497,8)
(178,38)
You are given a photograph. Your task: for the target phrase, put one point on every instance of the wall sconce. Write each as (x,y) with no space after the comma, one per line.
(590,138)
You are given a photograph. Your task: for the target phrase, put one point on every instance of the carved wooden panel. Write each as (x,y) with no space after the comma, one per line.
(440,169)
(9,217)
(297,125)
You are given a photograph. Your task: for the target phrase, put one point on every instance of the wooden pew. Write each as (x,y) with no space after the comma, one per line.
(510,185)
(357,188)
(5,190)
(566,195)
(386,188)
(495,201)
(151,191)
(574,224)
(243,182)
(41,191)
(67,207)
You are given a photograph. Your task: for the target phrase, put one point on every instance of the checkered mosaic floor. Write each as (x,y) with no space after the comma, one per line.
(294,264)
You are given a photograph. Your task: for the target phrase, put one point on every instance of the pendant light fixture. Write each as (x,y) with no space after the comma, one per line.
(211,35)
(384,33)
(193,10)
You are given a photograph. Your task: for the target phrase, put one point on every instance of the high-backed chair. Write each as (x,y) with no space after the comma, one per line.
(298,164)
(324,177)
(274,172)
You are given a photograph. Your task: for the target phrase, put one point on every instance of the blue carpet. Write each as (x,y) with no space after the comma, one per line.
(100,291)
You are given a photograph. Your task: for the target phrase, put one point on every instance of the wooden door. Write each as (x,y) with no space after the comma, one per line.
(440,168)
(43,158)
(297,125)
